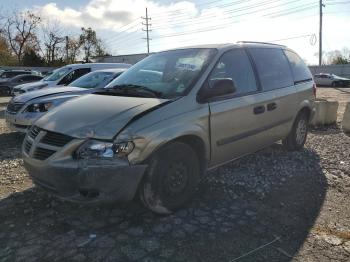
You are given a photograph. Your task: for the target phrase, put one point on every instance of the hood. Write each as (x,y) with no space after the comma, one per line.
(4,80)
(30,85)
(96,116)
(341,78)
(25,97)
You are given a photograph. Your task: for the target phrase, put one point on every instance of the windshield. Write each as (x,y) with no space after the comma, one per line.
(57,74)
(169,73)
(93,80)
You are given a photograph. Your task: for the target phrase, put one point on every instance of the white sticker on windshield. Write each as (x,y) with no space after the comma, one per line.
(184,66)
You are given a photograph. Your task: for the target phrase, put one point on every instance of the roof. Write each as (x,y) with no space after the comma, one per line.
(98,64)
(237,44)
(113,70)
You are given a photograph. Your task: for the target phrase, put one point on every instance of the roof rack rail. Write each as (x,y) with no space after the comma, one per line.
(256,42)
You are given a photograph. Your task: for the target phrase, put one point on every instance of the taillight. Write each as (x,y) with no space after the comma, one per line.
(314,89)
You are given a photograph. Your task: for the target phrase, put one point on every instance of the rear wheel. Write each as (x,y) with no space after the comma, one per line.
(171,178)
(297,136)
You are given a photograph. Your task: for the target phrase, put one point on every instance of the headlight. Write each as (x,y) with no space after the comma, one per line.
(39,107)
(96,149)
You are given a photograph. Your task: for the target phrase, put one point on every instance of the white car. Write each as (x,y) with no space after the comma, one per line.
(65,75)
(331,80)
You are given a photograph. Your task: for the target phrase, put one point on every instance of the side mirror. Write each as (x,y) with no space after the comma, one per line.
(218,87)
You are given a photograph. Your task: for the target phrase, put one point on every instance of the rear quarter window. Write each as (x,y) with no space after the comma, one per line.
(300,70)
(273,68)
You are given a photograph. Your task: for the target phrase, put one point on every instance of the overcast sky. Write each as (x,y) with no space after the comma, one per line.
(183,23)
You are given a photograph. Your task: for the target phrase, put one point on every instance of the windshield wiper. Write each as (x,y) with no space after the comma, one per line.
(134,90)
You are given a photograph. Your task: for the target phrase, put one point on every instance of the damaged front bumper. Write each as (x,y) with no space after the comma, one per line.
(86,181)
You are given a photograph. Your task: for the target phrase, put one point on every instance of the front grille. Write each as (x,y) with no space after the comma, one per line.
(43,153)
(46,144)
(27,146)
(14,107)
(34,131)
(56,139)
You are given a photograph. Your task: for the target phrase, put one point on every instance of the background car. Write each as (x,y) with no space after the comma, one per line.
(331,80)
(6,86)
(25,109)
(7,74)
(66,75)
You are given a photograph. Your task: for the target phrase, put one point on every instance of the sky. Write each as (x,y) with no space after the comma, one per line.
(294,23)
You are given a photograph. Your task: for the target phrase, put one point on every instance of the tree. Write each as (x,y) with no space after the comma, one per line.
(90,44)
(20,30)
(337,57)
(53,43)
(73,49)
(6,57)
(31,58)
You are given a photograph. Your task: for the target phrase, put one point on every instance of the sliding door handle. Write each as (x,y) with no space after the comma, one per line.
(259,110)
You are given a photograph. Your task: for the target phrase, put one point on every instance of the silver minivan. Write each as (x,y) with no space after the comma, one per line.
(156,129)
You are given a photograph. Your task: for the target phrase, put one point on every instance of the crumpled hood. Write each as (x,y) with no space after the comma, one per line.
(95,116)
(25,97)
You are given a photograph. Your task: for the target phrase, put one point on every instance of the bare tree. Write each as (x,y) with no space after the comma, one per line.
(91,45)
(20,30)
(73,49)
(53,42)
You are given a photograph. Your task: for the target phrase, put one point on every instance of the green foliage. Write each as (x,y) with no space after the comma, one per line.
(31,58)
(340,60)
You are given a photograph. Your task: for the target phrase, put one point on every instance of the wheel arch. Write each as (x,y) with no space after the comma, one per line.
(195,142)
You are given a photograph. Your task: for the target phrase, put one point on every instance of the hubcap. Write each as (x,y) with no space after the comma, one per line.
(176,178)
(301,131)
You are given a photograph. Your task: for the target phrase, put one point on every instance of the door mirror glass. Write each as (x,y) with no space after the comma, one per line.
(219,87)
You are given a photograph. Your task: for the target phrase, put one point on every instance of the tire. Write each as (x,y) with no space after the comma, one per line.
(297,136)
(334,84)
(171,178)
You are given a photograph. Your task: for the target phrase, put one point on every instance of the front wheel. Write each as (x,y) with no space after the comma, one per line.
(171,179)
(297,136)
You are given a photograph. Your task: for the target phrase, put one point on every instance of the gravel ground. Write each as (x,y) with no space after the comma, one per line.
(293,205)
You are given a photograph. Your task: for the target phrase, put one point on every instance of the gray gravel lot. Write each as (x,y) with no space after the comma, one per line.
(297,201)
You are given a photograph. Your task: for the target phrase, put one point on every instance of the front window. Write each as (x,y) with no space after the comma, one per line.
(167,74)
(93,80)
(57,74)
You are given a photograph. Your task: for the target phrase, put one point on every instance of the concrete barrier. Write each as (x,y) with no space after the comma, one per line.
(326,112)
(346,119)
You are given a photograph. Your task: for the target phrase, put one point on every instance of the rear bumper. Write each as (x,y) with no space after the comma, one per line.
(101,181)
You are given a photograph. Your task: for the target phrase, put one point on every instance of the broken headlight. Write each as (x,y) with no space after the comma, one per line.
(95,149)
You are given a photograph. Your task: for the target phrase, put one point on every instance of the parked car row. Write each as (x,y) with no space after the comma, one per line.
(154,130)
(23,110)
(11,78)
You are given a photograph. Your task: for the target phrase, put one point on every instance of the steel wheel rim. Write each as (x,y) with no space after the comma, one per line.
(301,131)
(176,178)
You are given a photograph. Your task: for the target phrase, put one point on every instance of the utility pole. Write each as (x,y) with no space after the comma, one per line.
(147,30)
(320,36)
(67,46)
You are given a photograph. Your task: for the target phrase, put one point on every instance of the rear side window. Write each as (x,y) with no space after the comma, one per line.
(73,75)
(273,68)
(300,71)
(235,65)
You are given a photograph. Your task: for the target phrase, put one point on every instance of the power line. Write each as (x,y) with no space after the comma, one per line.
(212,27)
